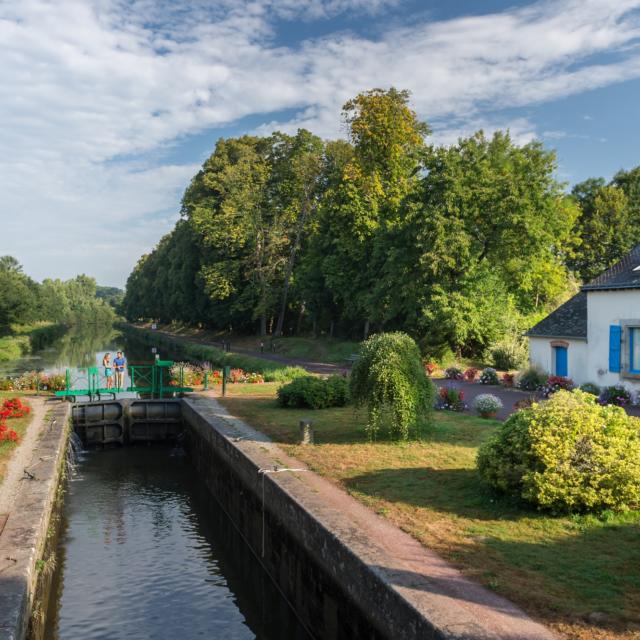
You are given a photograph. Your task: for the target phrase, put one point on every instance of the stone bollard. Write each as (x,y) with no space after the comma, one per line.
(306,431)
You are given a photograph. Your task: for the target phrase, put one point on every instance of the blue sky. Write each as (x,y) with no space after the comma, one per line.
(110,106)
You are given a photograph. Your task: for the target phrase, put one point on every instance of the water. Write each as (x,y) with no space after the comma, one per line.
(145,554)
(80,347)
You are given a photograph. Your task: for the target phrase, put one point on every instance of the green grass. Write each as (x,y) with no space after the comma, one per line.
(317,349)
(558,568)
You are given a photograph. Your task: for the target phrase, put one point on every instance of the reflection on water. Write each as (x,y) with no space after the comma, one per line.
(76,348)
(144,554)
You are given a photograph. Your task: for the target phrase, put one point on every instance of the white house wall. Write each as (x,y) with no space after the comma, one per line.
(605,308)
(541,356)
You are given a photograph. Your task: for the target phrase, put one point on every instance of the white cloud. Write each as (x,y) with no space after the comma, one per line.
(88,84)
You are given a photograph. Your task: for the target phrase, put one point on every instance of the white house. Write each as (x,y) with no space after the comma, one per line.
(595,336)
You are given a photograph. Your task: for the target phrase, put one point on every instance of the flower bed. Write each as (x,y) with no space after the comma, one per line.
(617,395)
(555,384)
(12,408)
(450,399)
(487,405)
(489,376)
(453,373)
(33,381)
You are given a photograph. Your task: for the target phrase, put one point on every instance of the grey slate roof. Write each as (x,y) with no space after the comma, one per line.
(567,321)
(620,276)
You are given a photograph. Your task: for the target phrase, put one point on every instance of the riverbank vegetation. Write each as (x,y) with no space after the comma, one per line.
(578,573)
(32,313)
(186,349)
(383,231)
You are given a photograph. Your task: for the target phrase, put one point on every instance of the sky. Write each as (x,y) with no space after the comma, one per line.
(109,107)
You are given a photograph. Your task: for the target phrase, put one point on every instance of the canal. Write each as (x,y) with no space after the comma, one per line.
(144,553)
(143,550)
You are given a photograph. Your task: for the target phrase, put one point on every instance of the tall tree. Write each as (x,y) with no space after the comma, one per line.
(604,230)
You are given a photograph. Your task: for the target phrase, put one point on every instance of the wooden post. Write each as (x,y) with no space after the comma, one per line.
(306,431)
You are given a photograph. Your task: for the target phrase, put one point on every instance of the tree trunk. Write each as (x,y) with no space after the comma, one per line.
(290,263)
(366,329)
(315,326)
(331,329)
(263,325)
(300,316)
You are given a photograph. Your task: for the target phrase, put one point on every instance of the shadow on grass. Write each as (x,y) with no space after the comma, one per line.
(457,491)
(590,579)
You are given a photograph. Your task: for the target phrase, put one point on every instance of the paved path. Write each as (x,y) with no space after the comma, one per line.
(325,368)
(508,396)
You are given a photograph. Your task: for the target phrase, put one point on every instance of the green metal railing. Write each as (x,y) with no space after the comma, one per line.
(146,379)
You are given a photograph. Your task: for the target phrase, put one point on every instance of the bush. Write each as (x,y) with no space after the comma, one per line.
(470,374)
(486,404)
(531,379)
(450,399)
(617,395)
(556,383)
(389,379)
(453,373)
(489,376)
(284,375)
(509,353)
(568,454)
(590,387)
(314,393)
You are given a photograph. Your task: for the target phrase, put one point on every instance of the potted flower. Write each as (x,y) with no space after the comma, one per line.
(487,405)
(489,376)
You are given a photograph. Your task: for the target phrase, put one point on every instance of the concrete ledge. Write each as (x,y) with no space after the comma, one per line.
(347,572)
(25,534)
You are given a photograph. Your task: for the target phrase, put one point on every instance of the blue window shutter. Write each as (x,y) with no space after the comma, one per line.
(615,338)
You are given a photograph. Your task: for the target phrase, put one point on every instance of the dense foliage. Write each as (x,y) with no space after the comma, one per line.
(314,392)
(390,381)
(382,232)
(567,454)
(24,301)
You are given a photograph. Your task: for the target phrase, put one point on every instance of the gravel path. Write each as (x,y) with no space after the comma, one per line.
(508,396)
(22,456)
(324,368)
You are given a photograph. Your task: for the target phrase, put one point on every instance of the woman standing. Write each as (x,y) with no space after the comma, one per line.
(108,371)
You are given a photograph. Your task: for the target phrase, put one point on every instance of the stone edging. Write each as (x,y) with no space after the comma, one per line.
(23,540)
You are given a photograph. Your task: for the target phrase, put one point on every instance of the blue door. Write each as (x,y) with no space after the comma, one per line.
(562,365)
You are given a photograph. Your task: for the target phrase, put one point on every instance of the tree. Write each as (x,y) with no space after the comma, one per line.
(604,228)
(389,379)
(388,140)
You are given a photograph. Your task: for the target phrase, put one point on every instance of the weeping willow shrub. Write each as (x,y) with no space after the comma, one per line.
(390,381)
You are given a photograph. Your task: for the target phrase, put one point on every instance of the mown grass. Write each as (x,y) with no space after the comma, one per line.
(560,569)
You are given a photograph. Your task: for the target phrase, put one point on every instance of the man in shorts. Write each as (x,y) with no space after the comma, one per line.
(120,364)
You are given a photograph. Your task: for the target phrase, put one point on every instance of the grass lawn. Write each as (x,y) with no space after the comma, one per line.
(20,425)
(580,574)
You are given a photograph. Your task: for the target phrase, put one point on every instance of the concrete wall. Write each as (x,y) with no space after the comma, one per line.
(24,537)
(605,308)
(541,354)
(347,573)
